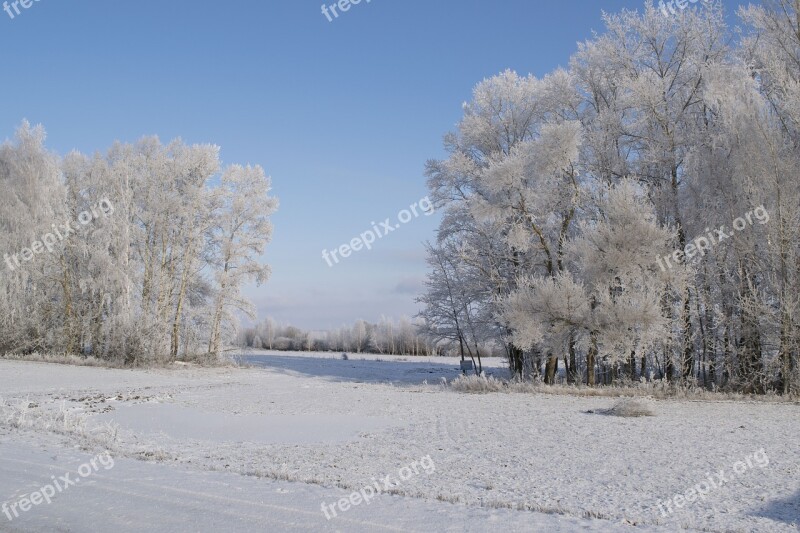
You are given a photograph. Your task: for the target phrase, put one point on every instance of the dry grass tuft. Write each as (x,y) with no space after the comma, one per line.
(627,408)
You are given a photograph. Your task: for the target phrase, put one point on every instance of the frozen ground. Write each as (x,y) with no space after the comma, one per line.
(260,449)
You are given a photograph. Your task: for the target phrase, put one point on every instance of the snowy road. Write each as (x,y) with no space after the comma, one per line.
(134,496)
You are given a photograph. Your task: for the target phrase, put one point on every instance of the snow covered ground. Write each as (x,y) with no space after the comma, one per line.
(262,448)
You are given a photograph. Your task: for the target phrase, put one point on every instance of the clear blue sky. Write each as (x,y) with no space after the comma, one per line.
(342,114)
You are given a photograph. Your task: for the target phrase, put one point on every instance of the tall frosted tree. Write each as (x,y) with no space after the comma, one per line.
(241,231)
(31,312)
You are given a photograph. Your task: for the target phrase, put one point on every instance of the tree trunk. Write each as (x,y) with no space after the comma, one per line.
(591,358)
(478,354)
(550,369)
(687,365)
(632,366)
(515,354)
(572,368)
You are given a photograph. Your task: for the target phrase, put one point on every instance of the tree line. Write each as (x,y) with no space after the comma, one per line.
(156,278)
(563,195)
(392,337)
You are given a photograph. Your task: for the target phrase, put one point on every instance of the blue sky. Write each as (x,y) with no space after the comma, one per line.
(342,114)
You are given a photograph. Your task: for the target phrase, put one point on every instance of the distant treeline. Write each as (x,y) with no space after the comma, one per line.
(401,337)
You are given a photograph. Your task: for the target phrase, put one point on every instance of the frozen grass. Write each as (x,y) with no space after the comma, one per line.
(481,385)
(27,415)
(75,360)
(62,359)
(659,389)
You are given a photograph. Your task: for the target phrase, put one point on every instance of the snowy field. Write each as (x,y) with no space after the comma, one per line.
(263,448)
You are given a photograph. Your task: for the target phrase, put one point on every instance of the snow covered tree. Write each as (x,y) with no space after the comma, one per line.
(241,231)
(609,297)
(130,239)
(708,129)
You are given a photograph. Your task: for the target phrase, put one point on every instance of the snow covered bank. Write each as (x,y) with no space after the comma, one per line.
(541,453)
